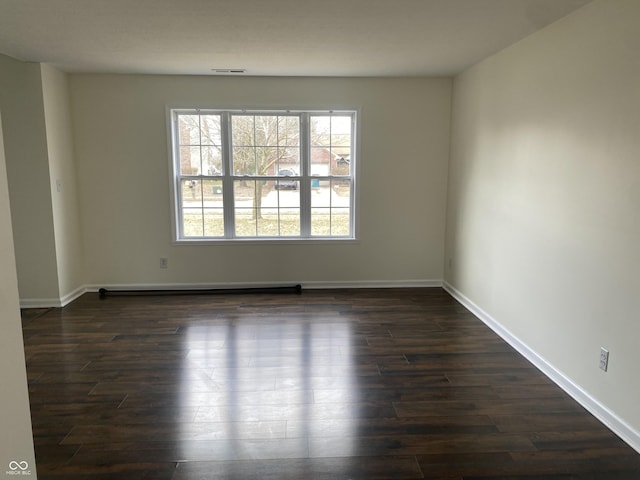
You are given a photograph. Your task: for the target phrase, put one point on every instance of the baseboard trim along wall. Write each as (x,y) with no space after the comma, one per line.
(597,409)
(70,297)
(65,300)
(52,302)
(374,284)
(243,285)
(40,302)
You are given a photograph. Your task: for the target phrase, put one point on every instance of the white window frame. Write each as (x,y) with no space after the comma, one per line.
(305,177)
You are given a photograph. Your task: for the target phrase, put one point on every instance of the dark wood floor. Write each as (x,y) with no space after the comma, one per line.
(349,384)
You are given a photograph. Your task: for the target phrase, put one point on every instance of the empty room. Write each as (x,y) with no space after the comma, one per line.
(349,239)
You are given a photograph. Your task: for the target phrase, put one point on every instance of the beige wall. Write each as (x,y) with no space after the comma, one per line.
(21,102)
(543,222)
(62,175)
(16,442)
(123,168)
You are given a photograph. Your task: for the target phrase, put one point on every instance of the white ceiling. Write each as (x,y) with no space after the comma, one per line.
(270,37)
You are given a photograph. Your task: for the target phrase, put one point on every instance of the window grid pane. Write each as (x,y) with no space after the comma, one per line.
(262,210)
(330,202)
(331,143)
(265,158)
(200,144)
(213,219)
(265,144)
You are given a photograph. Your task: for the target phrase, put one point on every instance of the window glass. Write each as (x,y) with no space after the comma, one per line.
(283,181)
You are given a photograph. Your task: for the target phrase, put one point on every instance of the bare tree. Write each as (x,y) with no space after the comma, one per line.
(261,145)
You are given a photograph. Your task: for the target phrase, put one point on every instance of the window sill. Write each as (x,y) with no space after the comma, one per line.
(266,241)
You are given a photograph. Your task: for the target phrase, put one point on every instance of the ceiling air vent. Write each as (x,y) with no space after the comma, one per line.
(228,70)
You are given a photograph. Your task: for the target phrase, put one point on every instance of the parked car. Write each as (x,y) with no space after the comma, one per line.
(286,184)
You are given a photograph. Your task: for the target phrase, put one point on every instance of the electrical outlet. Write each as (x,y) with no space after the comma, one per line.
(604,359)
(164,262)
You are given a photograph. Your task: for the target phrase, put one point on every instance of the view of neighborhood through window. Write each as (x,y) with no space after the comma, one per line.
(255,174)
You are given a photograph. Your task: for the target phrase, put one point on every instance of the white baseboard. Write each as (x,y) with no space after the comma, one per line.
(52,302)
(40,303)
(184,286)
(597,409)
(70,297)
(305,285)
(374,284)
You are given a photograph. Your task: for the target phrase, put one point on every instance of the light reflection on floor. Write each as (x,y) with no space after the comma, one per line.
(265,389)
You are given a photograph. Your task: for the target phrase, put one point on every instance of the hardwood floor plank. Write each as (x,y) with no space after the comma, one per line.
(358,468)
(555,422)
(417,444)
(481,406)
